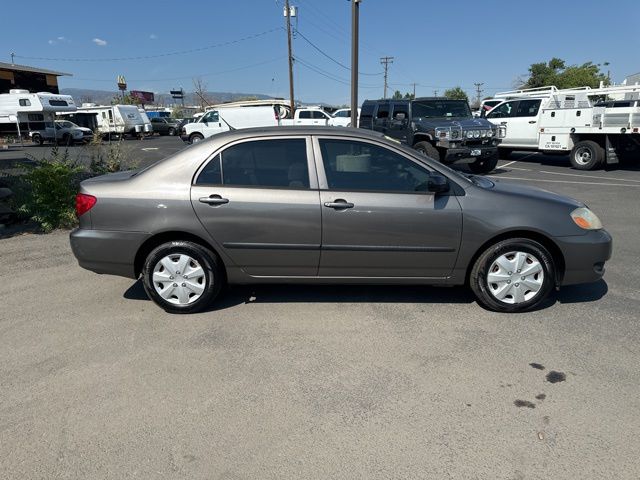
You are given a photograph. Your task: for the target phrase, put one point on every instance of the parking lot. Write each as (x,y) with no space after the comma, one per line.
(322,382)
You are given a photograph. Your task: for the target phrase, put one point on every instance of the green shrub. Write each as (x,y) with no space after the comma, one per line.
(47,193)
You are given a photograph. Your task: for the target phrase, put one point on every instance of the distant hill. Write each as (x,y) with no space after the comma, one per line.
(104,97)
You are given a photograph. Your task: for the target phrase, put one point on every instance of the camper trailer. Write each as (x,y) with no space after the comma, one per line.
(22,112)
(115,120)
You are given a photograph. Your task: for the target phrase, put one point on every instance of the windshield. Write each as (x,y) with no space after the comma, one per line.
(440,109)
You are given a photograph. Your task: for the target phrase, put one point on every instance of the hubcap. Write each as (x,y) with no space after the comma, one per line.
(179,279)
(583,156)
(515,277)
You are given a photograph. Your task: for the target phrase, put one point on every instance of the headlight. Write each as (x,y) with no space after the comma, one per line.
(490,133)
(476,133)
(483,133)
(586,219)
(470,134)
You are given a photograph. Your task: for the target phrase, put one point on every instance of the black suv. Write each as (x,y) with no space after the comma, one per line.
(441,128)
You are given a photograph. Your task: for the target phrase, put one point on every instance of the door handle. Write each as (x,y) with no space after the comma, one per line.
(532,121)
(339,204)
(214,200)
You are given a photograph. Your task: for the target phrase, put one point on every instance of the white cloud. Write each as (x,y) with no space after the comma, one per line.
(51,42)
(99,42)
(153,36)
(62,39)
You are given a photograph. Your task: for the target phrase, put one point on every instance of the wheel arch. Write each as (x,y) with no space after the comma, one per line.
(542,239)
(421,137)
(164,237)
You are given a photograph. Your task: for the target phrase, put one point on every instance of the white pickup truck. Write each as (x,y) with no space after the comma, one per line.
(308,116)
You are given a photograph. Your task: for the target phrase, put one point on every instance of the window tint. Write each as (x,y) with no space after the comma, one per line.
(528,108)
(400,108)
(261,163)
(343,114)
(211,117)
(502,111)
(367,110)
(317,114)
(58,103)
(24,102)
(304,114)
(383,111)
(35,117)
(351,165)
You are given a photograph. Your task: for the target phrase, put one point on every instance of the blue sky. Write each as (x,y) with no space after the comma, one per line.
(435,44)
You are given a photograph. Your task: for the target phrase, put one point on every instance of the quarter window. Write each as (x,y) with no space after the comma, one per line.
(353,166)
(260,163)
(24,102)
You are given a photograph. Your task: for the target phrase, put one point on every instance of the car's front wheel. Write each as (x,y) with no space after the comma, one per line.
(427,149)
(182,276)
(196,137)
(513,275)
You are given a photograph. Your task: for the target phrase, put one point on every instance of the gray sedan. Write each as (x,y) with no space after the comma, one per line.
(330,205)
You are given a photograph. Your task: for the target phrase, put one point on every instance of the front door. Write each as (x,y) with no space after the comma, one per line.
(258,199)
(211,124)
(378,220)
(381,120)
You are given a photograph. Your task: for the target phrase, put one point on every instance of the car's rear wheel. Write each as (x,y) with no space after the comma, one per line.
(513,275)
(182,276)
(37,138)
(196,137)
(484,165)
(172,131)
(427,149)
(586,155)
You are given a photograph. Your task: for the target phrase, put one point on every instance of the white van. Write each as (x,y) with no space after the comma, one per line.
(229,118)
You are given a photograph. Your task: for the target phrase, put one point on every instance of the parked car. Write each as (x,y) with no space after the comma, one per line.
(66,133)
(342,118)
(323,205)
(441,128)
(165,126)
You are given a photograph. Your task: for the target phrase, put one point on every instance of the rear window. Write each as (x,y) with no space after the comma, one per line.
(260,163)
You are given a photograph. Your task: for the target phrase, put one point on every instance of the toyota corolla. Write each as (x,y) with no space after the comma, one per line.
(324,206)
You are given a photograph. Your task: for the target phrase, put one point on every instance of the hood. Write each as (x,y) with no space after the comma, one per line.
(526,191)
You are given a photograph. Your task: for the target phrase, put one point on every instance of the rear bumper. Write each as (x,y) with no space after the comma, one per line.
(108,252)
(585,256)
(464,154)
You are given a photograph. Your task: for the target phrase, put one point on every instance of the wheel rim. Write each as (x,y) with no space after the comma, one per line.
(583,156)
(179,279)
(515,277)
(195,139)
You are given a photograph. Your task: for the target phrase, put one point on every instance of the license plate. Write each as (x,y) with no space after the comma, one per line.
(476,153)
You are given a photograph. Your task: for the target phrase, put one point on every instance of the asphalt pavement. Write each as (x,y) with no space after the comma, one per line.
(336,382)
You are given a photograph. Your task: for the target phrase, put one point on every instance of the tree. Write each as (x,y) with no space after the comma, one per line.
(556,72)
(409,96)
(128,99)
(456,93)
(200,91)
(397,95)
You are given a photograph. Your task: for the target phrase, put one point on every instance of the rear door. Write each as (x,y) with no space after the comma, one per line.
(381,119)
(378,220)
(259,200)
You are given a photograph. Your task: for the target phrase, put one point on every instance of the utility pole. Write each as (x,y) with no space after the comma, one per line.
(355,25)
(385,61)
(414,90)
(13,55)
(478,92)
(435,93)
(287,13)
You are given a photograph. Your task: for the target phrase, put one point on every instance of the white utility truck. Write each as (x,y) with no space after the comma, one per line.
(22,112)
(596,126)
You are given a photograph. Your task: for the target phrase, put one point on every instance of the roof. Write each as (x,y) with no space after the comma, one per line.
(25,68)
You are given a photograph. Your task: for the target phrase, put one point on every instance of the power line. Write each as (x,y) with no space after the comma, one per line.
(160,55)
(330,57)
(327,74)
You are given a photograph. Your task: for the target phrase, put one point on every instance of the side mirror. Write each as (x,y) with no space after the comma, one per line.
(437,183)
(400,116)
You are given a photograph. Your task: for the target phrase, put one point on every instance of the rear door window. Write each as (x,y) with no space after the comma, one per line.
(528,108)
(304,114)
(280,163)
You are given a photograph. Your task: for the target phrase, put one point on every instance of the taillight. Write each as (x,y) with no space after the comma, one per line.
(84,203)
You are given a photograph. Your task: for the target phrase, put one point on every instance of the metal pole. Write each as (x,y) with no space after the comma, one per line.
(292,102)
(355,14)
(386,61)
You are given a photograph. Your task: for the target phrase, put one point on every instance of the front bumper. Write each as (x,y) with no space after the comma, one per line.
(109,252)
(585,256)
(466,154)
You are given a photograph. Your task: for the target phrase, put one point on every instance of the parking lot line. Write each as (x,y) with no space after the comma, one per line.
(563,181)
(590,176)
(507,164)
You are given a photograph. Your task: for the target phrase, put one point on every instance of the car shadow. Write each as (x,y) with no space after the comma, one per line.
(563,161)
(286,293)
(283,293)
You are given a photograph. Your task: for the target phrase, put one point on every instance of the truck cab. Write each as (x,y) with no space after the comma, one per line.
(521,117)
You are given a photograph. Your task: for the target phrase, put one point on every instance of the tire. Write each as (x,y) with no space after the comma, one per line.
(495,264)
(427,149)
(586,155)
(37,138)
(485,165)
(172,132)
(196,137)
(504,153)
(182,297)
